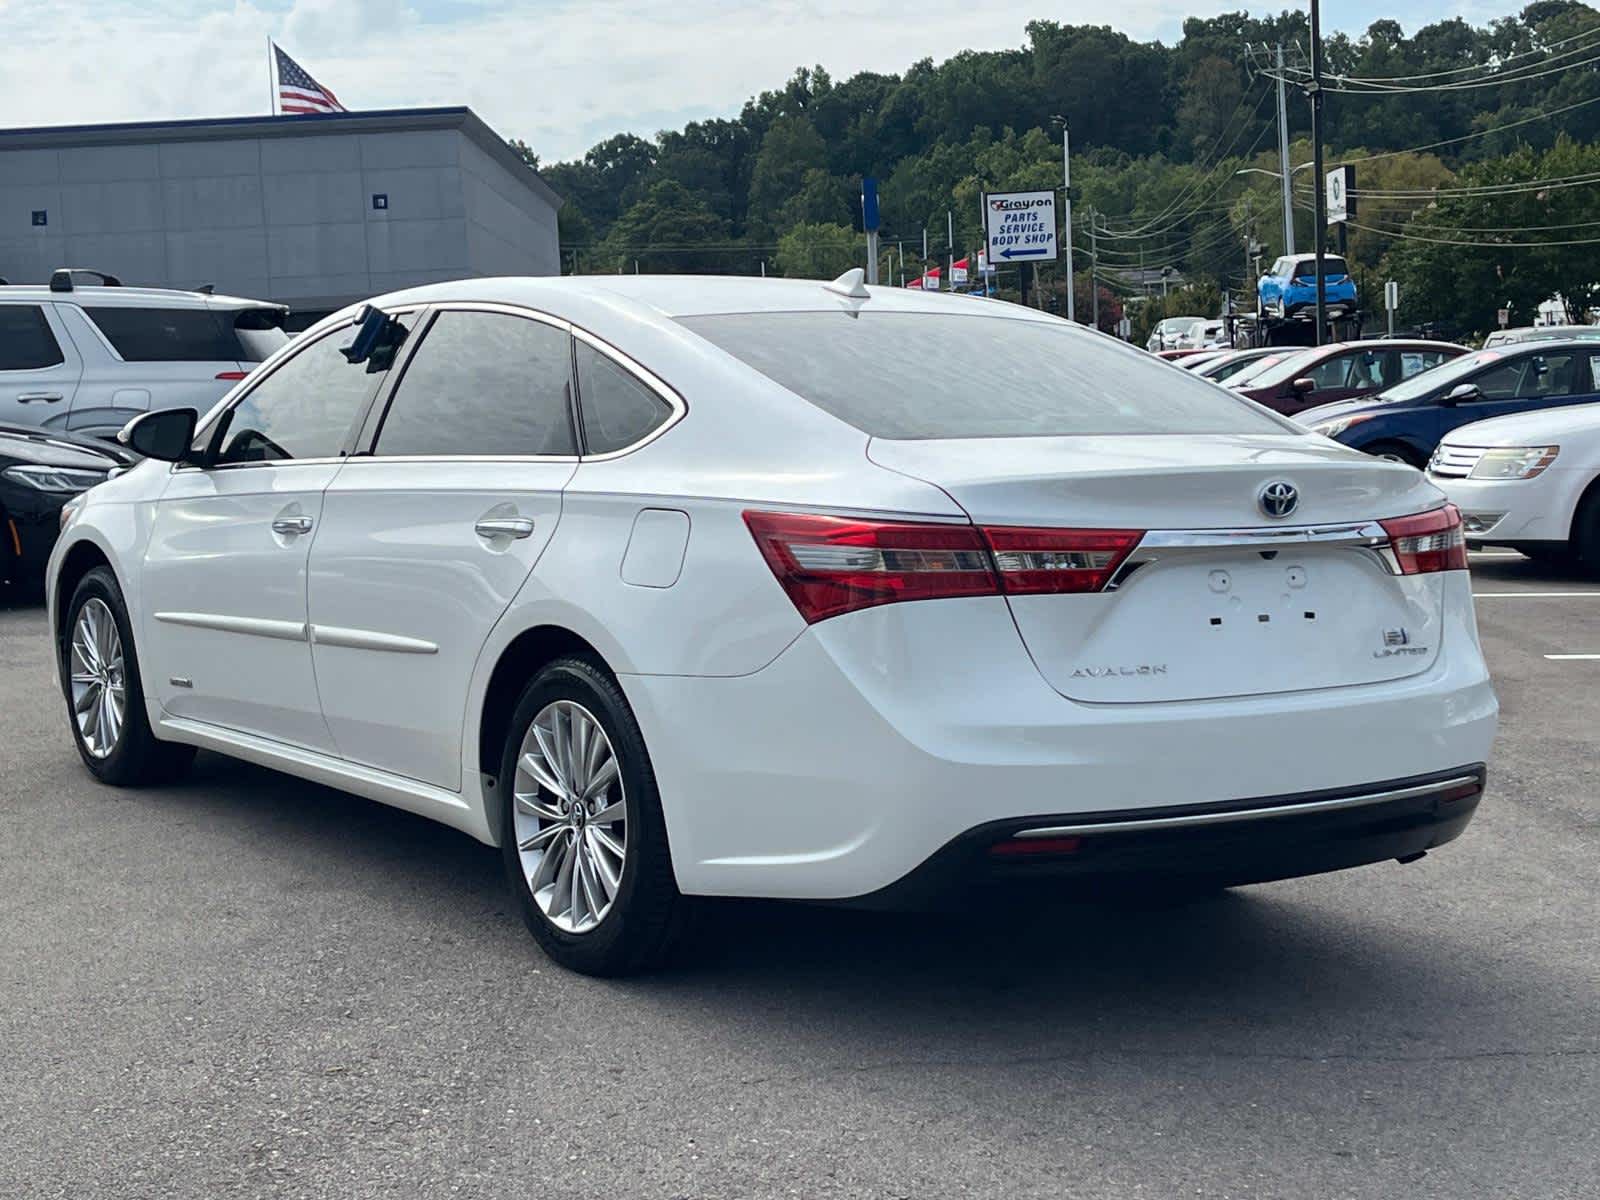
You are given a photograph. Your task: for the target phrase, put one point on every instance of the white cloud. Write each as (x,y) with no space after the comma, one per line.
(560,74)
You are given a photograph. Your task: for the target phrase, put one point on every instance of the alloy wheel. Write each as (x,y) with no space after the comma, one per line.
(99,688)
(570,816)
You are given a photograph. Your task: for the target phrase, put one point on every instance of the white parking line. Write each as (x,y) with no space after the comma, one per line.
(1531,595)
(1572,657)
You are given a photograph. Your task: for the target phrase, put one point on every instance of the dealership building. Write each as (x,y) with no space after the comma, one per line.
(312,211)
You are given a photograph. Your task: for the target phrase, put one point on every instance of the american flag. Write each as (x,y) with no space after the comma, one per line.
(298,92)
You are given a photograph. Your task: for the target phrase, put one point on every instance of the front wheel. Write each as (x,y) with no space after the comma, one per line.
(1396,452)
(582,834)
(105,694)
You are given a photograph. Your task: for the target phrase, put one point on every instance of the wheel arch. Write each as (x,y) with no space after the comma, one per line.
(522,658)
(81,557)
(1587,498)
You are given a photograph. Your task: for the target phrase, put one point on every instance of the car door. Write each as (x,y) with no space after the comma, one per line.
(1542,379)
(39,367)
(430,531)
(224,578)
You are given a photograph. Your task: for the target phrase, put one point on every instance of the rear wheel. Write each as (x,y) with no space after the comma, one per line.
(105,694)
(582,834)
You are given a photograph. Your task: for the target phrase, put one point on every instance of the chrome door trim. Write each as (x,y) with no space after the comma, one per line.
(645,376)
(369,639)
(1358,533)
(267,627)
(1137,824)
(290,526)
(512,527)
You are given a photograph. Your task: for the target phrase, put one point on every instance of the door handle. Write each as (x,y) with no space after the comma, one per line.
(289,526)
(46,397)
(513,527)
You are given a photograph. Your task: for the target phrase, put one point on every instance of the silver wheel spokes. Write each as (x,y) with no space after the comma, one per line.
(569,816)
(99,690)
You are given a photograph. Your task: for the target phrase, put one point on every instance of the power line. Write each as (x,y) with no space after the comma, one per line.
(1545,49)
(1339,83)
(1467,137)
(1417,237)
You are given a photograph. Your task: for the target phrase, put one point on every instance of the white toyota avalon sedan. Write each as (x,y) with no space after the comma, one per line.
(679,587)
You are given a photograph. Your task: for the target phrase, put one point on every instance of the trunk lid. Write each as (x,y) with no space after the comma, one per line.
(1239,604)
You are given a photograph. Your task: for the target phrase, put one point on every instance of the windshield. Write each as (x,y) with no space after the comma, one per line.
(935,375)
(1457,368)
(1274,369)
(1331,266)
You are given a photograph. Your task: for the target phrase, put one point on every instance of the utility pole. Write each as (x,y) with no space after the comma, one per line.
(1066,207)
(1283,161)
(1320,205)
(1094,272)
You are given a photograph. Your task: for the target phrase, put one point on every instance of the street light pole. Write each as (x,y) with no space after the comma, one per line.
(1320,204)
(1066,208)
(1283,160)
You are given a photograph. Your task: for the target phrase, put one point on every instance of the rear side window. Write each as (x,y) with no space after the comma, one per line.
(26,343)
(618,409)
(937,375)
(481,384)
(167,334)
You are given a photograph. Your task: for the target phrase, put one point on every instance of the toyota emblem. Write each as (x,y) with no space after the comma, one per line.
(1278,498)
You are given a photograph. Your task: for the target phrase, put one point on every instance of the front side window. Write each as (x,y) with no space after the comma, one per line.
(304,409)
(1029,378)
(483,384)
(617,408)
(1552,376)
(26,343)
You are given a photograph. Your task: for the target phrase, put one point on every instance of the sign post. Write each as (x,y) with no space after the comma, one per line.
(1019,227)
(869,222)
(1391,301)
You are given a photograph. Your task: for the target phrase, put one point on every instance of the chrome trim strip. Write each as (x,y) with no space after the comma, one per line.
(368,639)
(287,631)
(1247,814)
(1359,533)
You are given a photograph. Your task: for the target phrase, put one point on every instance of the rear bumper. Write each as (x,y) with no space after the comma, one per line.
(1246,841)
(880,737)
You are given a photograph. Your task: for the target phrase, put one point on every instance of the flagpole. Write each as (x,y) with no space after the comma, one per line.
(272,91)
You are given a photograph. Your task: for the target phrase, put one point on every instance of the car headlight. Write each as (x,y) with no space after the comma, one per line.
(66,480)
(1514,462)
(1335,428)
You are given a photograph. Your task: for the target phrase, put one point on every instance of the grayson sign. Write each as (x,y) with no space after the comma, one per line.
(1020,227)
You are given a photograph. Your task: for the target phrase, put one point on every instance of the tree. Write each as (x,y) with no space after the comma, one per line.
(790,148)
(819,251)
(667,230)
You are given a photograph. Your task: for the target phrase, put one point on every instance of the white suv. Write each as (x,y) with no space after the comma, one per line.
(91,358)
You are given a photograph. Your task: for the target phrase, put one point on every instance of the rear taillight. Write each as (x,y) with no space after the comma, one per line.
(1427,542)
(833,565)
(1031,561)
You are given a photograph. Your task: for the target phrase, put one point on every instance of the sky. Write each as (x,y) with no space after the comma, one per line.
(559,74)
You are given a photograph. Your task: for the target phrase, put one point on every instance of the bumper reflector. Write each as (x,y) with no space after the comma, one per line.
(1035,847)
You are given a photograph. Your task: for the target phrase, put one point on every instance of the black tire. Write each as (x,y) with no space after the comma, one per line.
(1553,554)
(138,757)
(648,914)
(1396,452)
(1585,544)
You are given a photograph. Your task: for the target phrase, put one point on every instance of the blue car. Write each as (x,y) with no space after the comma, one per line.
(1408,421)
(1289,291)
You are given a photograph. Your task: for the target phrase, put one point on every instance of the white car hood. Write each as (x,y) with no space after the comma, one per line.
(1529,428)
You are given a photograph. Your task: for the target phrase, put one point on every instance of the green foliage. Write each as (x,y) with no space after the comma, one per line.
(819,251)
(1159,133)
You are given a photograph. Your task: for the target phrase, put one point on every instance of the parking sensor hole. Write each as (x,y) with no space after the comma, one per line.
(1263,618)
(1311,616)
(1216,620)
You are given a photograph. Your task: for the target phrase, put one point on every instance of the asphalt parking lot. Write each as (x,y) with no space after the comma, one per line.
(247,985)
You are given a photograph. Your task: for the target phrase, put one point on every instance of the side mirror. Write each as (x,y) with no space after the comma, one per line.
(165,434)
(1462,393)
(1303,386)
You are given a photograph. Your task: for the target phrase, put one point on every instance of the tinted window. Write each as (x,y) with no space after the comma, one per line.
(26,342)
(1331,266)
(618,410)
(304,409)
(895,375)
(167,334)
(483,383)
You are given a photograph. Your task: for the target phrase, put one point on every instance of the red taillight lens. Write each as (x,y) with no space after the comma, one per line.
(1427,542)
(1031,561)
(832,565)
(232,376)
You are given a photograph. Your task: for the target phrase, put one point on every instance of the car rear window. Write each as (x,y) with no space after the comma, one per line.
(935,375)
(26,343)
(189,334)
(1331,265)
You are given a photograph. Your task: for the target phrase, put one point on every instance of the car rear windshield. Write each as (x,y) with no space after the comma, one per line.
(936,375)
(1331,265)
(189,334)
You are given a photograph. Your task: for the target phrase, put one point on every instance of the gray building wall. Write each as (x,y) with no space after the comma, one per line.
(276,208)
